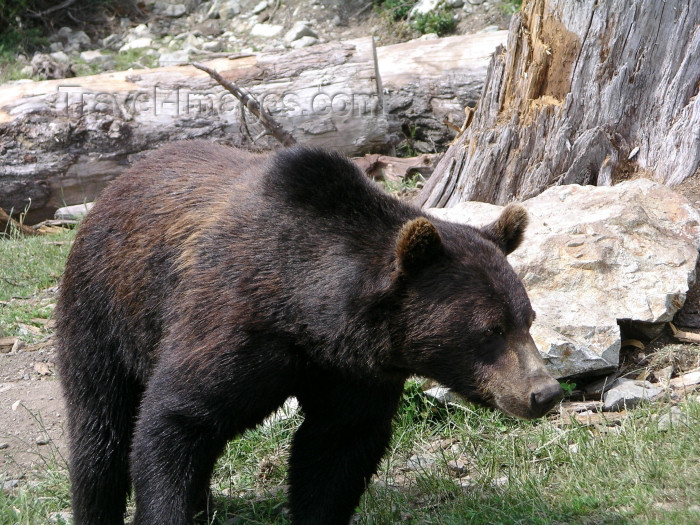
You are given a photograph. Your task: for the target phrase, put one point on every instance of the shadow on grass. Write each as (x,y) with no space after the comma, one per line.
(382,506)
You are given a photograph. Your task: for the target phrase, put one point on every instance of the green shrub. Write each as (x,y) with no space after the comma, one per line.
(395,9)
(440,21)
(510,6)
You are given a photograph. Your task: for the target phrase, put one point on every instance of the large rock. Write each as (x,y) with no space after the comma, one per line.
(627,393)
(227,10)
(299,29)
(173,10)
(137,43)
(424,7)
(266,30)
(49,67)
(71,40)
(596,255)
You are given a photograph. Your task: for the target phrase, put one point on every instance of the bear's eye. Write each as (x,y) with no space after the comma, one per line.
(494,330)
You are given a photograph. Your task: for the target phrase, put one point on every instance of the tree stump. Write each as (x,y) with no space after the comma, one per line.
(585,92)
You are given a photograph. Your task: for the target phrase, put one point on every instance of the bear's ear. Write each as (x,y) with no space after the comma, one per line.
(417,244)
(509,229)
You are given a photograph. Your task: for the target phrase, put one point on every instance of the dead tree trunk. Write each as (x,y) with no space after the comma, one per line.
(586,92)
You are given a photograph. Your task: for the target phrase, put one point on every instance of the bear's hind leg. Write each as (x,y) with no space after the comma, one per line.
(101,413)
(338,447)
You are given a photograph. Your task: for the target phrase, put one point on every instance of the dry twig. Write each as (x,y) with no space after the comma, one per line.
(252,105)
(7,223)
(681,335)
(50,10)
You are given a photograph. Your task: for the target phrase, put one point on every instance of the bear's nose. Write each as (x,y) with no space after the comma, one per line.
(545,396)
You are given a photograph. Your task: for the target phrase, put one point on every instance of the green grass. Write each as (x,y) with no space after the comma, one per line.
(32,503)
(531,472)
(394,9)
(83,69)
(134,58)
(519,472)
(29,265)
(406,184)
(10,68)
(395,14)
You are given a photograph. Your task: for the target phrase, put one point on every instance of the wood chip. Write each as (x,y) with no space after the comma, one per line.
(6,344)
(572,407)
(633,342)
(682,335)
(43,369)
(686,381)
(600,419)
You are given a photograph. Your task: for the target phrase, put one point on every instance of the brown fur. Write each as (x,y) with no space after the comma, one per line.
(508,231)
(417,241)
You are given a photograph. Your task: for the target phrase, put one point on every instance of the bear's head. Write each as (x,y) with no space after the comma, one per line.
(463,317)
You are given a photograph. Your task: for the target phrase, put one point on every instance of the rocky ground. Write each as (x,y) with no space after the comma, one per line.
(31,407)
(178,31)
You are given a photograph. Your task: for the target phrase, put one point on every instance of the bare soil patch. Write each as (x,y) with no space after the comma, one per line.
(32,412)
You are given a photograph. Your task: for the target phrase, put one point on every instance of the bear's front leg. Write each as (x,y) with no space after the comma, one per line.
(191,408)
(338,447)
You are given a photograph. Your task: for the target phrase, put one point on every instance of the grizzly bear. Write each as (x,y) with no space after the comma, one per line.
(209,284)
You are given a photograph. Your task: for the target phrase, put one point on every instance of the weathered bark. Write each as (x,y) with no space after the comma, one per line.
(61,141)
(586,92)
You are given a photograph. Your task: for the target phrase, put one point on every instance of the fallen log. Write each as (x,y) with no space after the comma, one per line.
(61,141)
(430,81)
(396,169)
(682,335)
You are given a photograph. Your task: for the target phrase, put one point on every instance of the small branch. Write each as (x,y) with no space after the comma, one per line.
(12,283)
(361,10)
(244,126)
(8,223)
(275,129)
(687,337)
(50,10)
(274,9)
(62,223)
(446,122)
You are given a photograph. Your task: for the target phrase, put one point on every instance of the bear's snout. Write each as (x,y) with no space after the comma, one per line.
(545,396)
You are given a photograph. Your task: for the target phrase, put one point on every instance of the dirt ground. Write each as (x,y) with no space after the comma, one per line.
(32,412)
